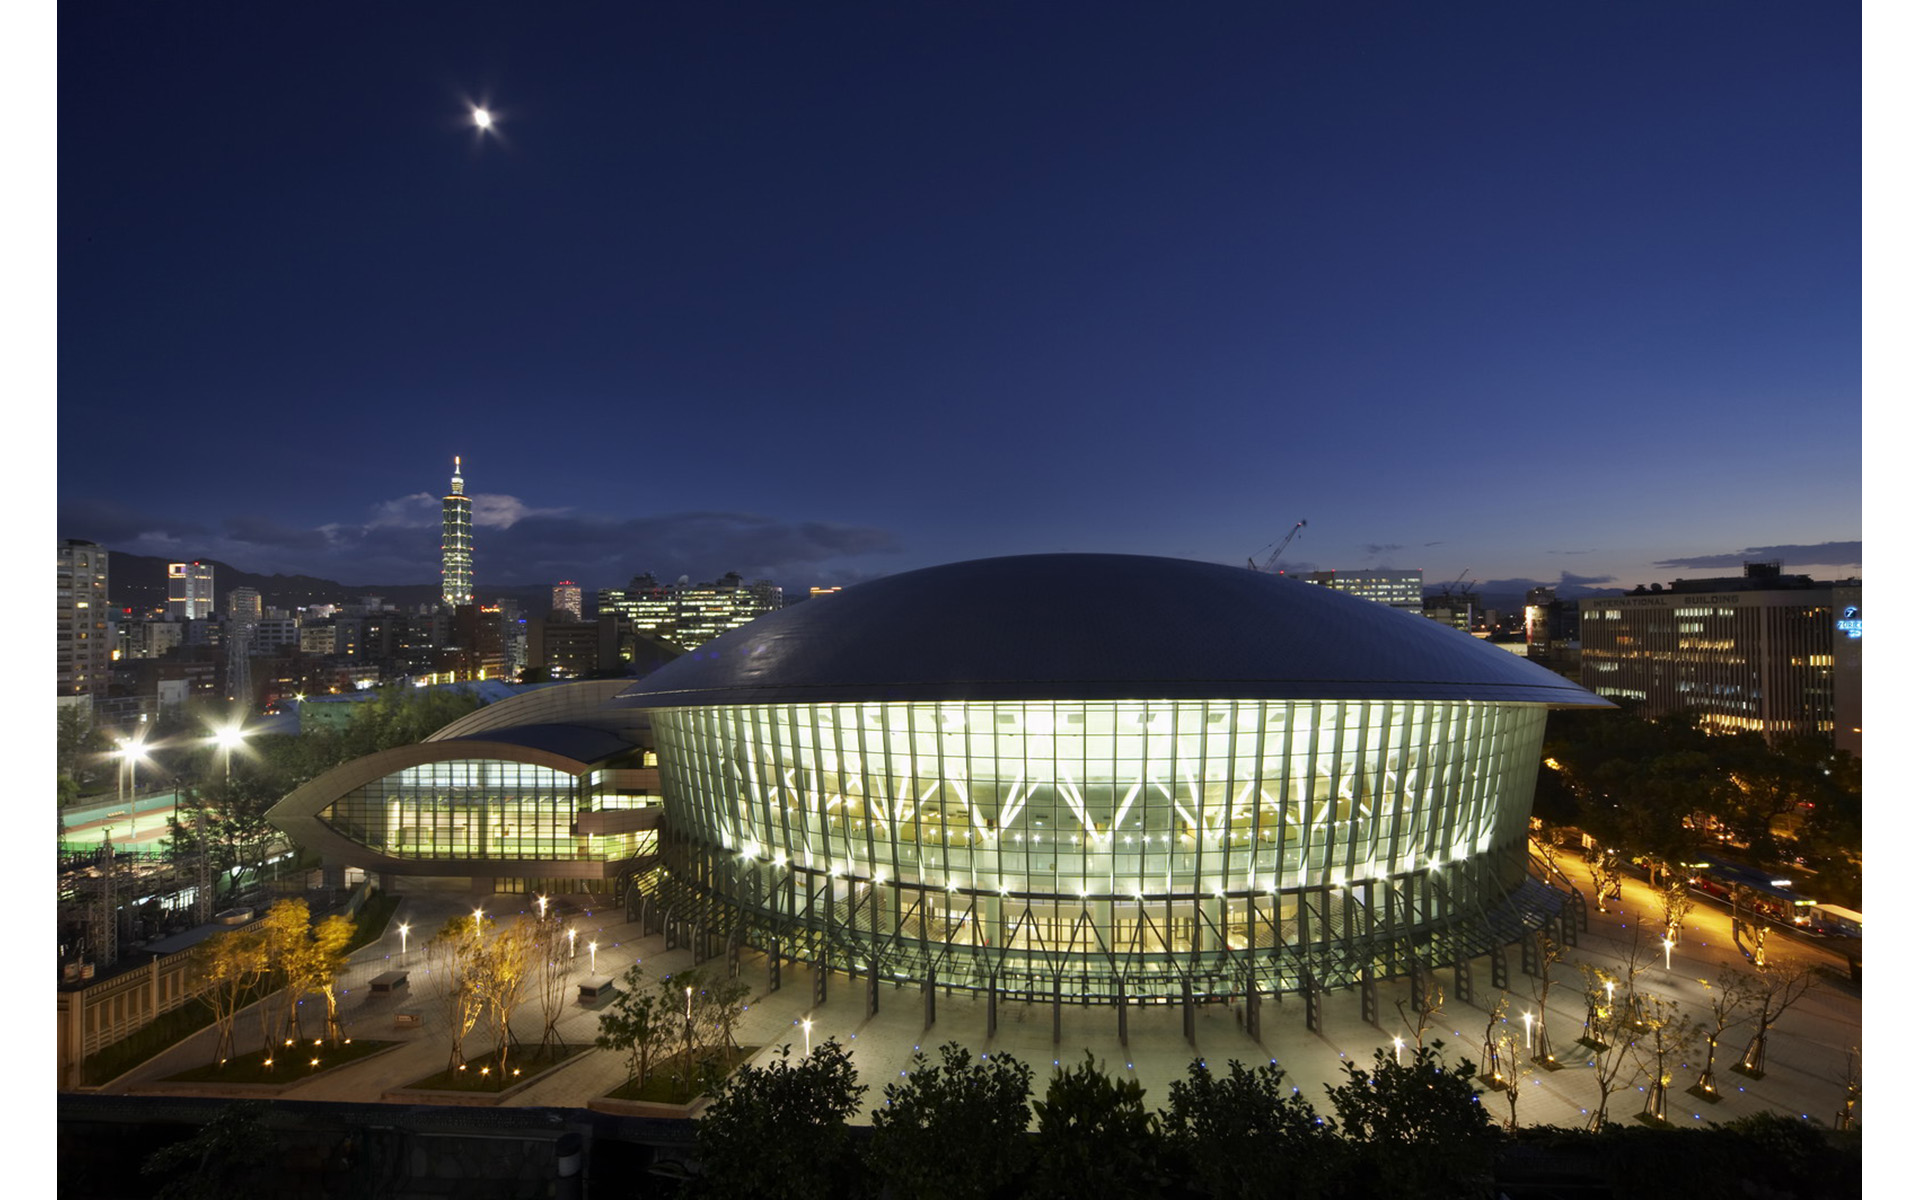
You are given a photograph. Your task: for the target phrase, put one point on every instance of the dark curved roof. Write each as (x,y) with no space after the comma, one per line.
(1094,627)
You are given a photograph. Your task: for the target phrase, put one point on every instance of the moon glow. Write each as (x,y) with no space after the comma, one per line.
(483,118)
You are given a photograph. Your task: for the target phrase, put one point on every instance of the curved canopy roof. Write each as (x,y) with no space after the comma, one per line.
(1094,627)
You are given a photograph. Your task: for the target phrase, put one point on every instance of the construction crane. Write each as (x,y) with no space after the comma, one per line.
(1273,560)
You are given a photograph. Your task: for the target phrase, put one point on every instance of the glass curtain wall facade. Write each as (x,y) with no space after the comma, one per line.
(1107,846)
(483,809)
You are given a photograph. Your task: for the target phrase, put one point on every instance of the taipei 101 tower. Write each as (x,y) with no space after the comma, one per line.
(456,543)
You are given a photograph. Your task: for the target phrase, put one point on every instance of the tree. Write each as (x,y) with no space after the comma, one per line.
(1094,1136)
(553,968)
(322,958)
(1427,1003)
(229,966)
(953,1131)
(1494,1072)
(1676,901)
(1614,1014)
(781,1130)
(500,967)
(225,1158)
(1727,1006)
(452,961)
(1415,1130)
(1776,989)
(1237,1136)
(1551,952)
(228,818)
(1663,1032)
(284,931)
(640,1023)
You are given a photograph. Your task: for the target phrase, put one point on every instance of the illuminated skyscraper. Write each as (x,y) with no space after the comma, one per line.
(456,543)
(566,598)
(190,590)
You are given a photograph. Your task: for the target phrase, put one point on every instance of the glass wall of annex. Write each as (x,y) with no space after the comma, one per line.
(1135,831)
(478,809)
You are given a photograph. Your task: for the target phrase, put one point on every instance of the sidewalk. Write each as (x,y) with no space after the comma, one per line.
(1806,1055)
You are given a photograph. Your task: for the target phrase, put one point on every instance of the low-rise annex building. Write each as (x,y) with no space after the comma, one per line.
(544,791)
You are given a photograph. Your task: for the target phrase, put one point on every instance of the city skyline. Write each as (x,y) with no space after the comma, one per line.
(1508,295)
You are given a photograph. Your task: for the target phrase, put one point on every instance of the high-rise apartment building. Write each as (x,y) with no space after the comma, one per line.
(686,614)
(85,643)
(1395,589)
(243,605)
(566,598)
(1765,653)
(456,543)
(190,590)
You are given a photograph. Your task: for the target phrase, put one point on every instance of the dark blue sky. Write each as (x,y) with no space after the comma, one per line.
(1521,290)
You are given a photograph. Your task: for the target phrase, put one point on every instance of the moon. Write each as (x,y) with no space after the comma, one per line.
(483,118)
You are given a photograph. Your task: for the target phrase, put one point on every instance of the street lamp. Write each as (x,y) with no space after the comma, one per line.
(403,941)
(1397,1044)
(477,914)
(542,902)
(593,958)
(227,737)
(131,753)
(570,950)
(1528,1018)
(1668,944)
(806,1027)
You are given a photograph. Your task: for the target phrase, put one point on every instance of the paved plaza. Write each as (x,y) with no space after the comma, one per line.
(1806,1058)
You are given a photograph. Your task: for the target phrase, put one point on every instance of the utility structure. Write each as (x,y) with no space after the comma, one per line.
(1273,560)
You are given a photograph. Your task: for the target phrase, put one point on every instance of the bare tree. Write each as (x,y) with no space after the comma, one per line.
(1776,989)
(1850,1107)
(552,972)
(1665,1033)
(1612,1018)
(1551,952)
(1491,1072)
(1426,1006)
(1727,1005)
(1522,1069)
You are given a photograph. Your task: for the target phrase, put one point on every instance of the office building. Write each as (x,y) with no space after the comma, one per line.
(691,614)
(1763,653)
(566,599)
(1395,589)
(190,591)
(456,543)
(84,639)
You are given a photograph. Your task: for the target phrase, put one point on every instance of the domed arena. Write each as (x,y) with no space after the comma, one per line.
(1100,778)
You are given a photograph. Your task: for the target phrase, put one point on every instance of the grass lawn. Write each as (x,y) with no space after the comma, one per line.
(483,1073)
(664,1085)
(288,1064)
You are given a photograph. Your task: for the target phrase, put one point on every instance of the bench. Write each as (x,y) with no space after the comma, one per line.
(592,989)
(387,982)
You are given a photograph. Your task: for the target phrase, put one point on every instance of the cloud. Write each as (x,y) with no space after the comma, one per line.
(1570,551)
(1569,580)
(515,544)
(1376,549)
(108,523)
(1822,554)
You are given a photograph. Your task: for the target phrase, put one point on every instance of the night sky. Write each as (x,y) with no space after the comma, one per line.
(1566,293)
